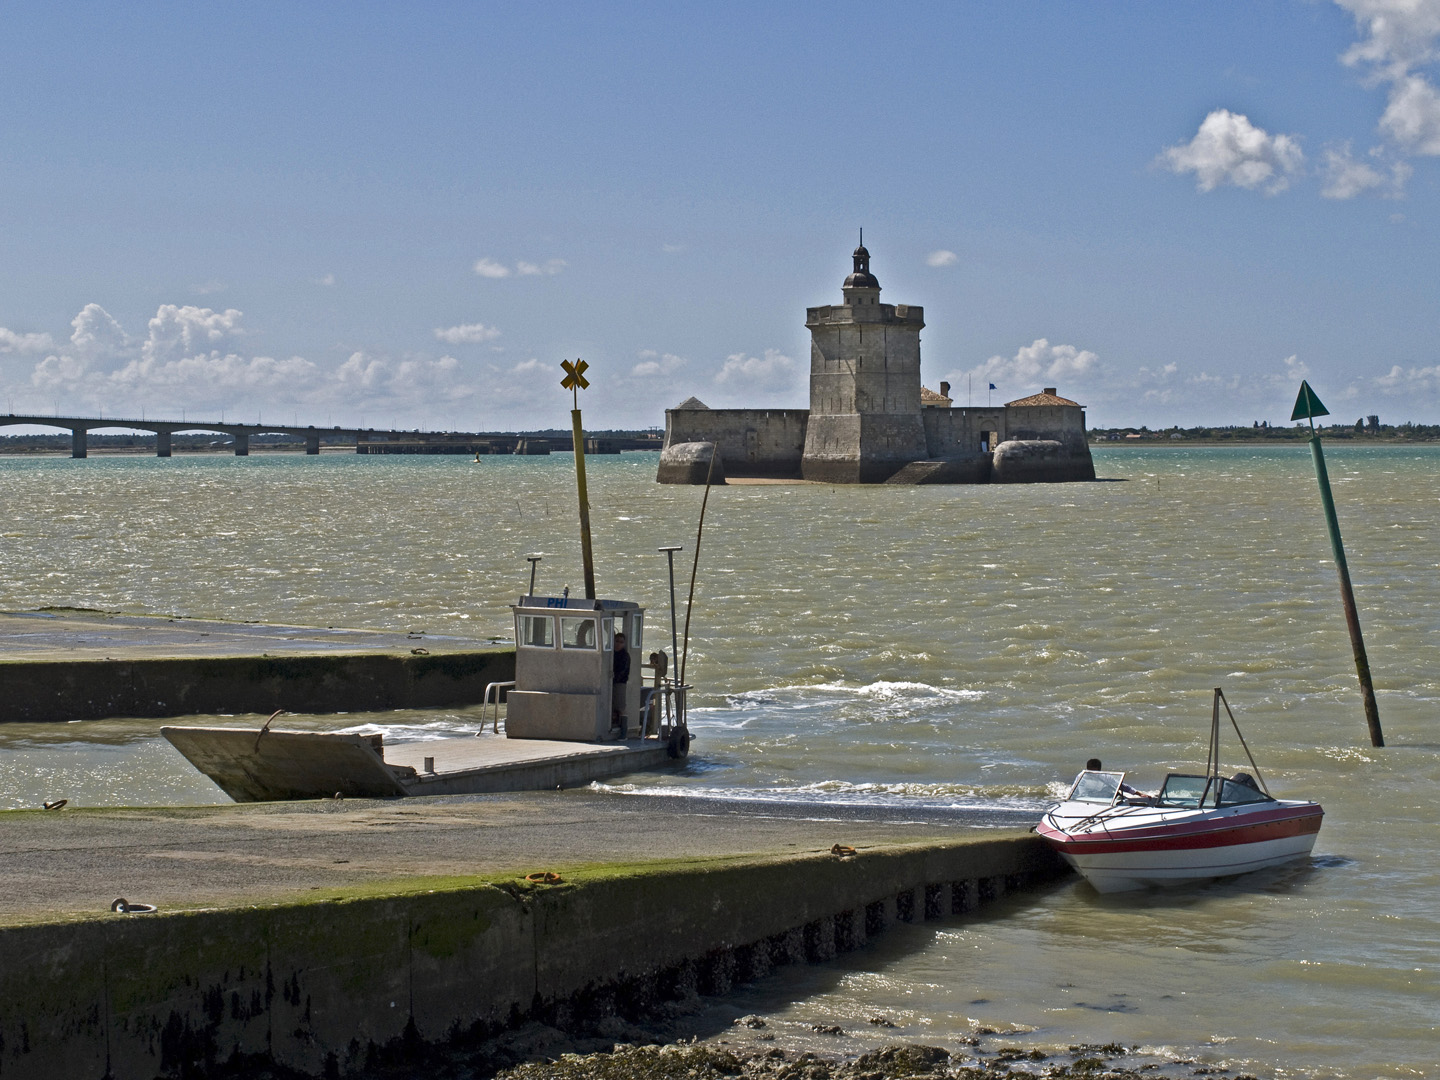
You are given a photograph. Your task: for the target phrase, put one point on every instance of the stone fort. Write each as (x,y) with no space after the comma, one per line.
(870,420)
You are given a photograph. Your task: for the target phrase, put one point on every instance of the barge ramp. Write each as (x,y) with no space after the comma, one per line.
(326,938)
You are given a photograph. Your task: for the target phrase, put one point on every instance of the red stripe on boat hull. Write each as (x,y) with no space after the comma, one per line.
(1215,834)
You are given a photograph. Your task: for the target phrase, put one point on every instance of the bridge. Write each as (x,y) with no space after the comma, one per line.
(366,440)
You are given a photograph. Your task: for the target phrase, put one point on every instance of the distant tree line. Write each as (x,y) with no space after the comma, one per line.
(1366,428)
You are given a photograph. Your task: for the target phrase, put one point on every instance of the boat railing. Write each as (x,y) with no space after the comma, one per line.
(663,702)
(662,705)
(495,688)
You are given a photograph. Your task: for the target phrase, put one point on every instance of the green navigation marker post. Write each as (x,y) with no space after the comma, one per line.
(1307,407)
(575,381)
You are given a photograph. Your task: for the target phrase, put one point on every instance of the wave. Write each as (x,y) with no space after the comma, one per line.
(848,793)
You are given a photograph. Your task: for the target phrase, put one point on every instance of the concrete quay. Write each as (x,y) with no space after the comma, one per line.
(62,664)
(327,938)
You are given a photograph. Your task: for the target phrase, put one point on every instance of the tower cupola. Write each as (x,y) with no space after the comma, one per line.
(861,278)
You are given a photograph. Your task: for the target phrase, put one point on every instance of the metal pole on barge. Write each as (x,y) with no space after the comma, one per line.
(575,381)
(1307,407)
(674,634)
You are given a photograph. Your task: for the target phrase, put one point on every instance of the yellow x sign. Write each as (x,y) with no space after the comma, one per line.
(575,375)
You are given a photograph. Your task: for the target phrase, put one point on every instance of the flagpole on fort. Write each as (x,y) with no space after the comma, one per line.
(575,381)
(1307,407)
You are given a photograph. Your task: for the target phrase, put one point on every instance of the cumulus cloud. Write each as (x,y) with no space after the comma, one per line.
(209,372)
(1398,37)
(12,342)
(1229,149)
(467,334)
(187,361)
(773,371)
(1036,364)
(185,329)
(1409,383)
(96,333)
(1345,177)
(1412,118)
(941,258)
(490,268)
(653,364)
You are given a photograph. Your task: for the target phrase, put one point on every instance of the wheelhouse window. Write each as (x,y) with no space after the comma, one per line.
(577,633)
(607,634)
(536,632)
(1097,787)
(636,631)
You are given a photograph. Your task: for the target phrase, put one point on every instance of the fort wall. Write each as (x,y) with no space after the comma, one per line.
(752,442)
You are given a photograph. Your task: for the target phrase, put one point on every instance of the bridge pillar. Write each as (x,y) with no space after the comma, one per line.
(78,442)
(242,444)
(312,443)
(162,444)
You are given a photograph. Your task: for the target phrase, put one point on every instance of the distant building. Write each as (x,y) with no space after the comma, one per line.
(870,421)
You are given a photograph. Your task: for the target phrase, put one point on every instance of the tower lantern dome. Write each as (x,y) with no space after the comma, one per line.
(861,278)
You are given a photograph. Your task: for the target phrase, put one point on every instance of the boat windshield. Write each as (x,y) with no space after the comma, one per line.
(1193,792)
(1183,791)
(1091,786)
(1238,791)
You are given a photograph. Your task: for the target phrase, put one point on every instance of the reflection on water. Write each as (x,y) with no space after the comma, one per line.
(936,646)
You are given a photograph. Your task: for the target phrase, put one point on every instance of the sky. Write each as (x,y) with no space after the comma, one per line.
(408,215)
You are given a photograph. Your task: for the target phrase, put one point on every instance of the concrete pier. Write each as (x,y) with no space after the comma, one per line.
(72,665)
(326,938)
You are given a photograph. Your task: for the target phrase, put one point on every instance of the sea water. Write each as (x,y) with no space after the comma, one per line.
(910,646)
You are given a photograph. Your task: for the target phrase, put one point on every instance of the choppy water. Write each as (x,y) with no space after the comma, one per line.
(922,646)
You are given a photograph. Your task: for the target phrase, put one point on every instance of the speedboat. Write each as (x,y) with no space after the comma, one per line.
(1196,827)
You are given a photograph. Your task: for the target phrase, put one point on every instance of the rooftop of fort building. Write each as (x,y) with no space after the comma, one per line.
(1045,397)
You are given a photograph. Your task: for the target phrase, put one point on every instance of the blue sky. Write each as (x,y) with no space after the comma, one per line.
(409,215)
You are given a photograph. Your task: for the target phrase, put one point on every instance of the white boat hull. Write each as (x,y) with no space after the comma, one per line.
(1144,848)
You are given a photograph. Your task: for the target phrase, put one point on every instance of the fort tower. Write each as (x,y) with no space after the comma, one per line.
(865,422)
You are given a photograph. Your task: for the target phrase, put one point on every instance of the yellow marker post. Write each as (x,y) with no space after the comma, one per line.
(575,381)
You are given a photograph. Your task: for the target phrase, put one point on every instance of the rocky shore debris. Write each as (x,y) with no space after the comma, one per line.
(897,1062)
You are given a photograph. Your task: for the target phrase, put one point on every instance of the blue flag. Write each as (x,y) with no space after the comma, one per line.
(993,386)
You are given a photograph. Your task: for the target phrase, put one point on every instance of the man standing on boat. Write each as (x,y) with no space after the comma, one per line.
(620,686)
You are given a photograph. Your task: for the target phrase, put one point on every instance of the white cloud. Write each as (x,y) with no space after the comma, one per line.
(205,373)
(1412,118)
(208,288)
(467,334)
(1036,364)
(324,279)
(773,371)
(10,341)
(491,269)
(1409,382)
(1345,177)
(1228,149)
(59,371)
(184,363)
(653,364)
(1399,35)
(185,329)
(528,367)
(941,258)
(96,333)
